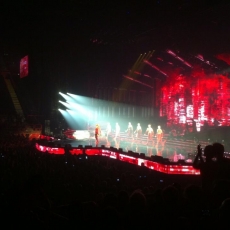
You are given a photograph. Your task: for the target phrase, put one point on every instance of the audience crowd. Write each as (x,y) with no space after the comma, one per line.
(46,191)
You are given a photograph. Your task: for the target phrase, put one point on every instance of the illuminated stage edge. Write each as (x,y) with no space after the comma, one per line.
(169,168)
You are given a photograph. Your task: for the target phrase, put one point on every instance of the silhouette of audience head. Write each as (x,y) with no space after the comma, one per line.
(137,200)
(218,150)
(208,152)
(170,195)
(224,210)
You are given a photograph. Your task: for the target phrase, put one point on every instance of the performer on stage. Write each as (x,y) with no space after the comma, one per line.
(129,137)
(129,131)
(159,135)
(117,135)
(108,133)
(138,136)
(97,134)
(117,130)
(150,133)
(138,131)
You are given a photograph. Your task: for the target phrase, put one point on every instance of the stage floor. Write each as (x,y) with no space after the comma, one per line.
(174,150)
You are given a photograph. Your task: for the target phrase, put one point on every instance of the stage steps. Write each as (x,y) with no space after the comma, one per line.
(13,95)
(5,99)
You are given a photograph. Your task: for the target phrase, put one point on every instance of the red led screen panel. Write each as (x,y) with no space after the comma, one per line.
(24,67)
(200,98)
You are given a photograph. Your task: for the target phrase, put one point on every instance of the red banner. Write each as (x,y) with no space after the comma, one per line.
(24,67)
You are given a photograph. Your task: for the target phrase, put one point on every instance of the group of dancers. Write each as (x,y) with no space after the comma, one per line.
(131,134)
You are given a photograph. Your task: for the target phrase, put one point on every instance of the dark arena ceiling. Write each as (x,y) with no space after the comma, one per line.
(84,41)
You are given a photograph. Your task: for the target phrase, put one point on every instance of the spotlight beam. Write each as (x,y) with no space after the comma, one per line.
(138,65)
(66,97)
(66,104)
(179,58)
(145,75)
(155,67)
(130,78)
(201,58)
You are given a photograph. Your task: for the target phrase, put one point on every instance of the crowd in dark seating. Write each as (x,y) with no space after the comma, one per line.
(11,123)
(42,190)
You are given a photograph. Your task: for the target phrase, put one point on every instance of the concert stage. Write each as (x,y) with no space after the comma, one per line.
(171,156)
(173,148)
(157,163)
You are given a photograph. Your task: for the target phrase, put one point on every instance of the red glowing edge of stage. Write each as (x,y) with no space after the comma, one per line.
(163,168)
